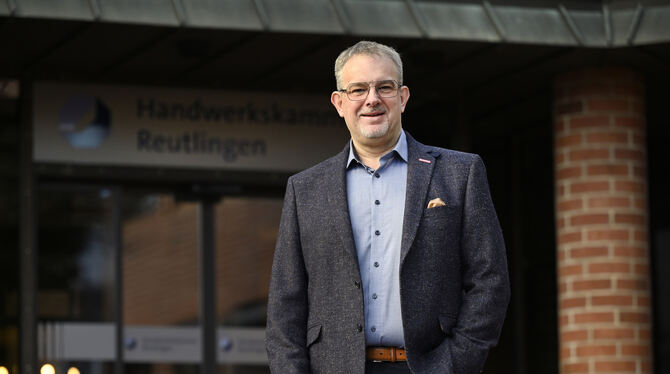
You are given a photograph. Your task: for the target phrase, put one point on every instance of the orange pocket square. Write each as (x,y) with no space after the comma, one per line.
(435,203)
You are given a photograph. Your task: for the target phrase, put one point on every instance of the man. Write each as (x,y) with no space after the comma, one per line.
(390,257)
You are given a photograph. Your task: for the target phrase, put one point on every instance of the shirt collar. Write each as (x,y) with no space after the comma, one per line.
(400,149)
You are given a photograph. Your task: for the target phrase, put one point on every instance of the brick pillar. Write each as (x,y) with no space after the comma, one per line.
(601,217)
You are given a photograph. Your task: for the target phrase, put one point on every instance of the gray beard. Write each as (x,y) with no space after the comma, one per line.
(377,132)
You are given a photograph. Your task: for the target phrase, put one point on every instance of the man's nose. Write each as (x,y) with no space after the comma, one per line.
(373,96)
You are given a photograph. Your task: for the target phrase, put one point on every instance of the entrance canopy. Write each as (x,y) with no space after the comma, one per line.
(566,23)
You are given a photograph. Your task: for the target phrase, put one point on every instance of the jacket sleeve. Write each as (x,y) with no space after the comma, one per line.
(287,301)
(485,279)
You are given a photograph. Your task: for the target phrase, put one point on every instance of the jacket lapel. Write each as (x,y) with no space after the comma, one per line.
(420,164)
(336,187)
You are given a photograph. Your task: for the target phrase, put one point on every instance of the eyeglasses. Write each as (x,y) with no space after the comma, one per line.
(359,90)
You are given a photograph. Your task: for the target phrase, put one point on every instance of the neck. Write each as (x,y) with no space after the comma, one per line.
(371,152)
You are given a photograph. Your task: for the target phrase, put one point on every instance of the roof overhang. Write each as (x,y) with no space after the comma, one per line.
(561,23)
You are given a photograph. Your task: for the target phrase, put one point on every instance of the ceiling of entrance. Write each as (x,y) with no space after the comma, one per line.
(482,84)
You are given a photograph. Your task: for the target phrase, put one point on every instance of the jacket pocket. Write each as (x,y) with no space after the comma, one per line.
(313,334)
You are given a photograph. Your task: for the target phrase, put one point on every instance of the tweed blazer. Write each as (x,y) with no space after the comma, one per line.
(454,285)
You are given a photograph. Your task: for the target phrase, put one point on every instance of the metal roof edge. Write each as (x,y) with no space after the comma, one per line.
(615,24)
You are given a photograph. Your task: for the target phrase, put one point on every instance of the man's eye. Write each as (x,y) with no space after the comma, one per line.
(385,88)
(357,91)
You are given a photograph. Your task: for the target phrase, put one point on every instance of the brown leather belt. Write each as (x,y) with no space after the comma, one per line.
(391,354)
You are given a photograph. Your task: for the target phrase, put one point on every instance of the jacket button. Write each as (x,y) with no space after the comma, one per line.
(357,284)
(359,327)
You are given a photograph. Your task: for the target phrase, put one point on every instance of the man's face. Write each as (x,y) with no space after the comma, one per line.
(373,120)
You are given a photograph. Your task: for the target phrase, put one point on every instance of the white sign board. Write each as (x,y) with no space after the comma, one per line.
(77,341)
(175,128)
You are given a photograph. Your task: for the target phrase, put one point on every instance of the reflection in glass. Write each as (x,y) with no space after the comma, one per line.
(160,284)
(76,244)
(246,232)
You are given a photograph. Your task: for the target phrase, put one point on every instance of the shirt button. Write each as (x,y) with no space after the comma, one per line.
(377,232)
(359,327)
(377,175)
(373,329)
(377,202)
(376,264)
(374,295)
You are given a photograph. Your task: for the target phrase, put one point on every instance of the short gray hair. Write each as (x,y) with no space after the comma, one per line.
(366,48)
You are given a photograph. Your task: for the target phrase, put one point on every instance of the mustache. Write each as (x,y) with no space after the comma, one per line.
(373,110)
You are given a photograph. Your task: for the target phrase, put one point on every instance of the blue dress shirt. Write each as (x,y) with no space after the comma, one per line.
(376,201)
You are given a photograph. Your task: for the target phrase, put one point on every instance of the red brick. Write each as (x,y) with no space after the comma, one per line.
(573,302)
(635,350)
(639,140)
(562,288)
(576,335)
(629,122)
(559,158)
(596,350)
(612,300)
(630,251)
(570,172)
(569,237)
(568,270)
(629,155)
(641,269)
(579,367)
(643,301)
(640,171)
(607,234)
(632,284)
(595,186)
(610,137)
(635,219)
(569,140)
(594,284)
(609,267)
(614,333)
(610,169)
(590,154)
(609,202)
(560,223)
(563,320)
(564,353)
(627,186)
(570,107)
(640,235)
(608,105)
(584,122)
(644,334)
(582,252)
(591,317)
(559,125)
(640,203)
(615,366)
(589,219)
(634,317)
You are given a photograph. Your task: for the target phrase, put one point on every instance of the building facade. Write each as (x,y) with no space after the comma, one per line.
(145,147)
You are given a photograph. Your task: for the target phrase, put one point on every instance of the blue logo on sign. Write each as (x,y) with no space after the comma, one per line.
(85,121)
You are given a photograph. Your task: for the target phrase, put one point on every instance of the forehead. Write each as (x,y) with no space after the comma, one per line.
(365,68)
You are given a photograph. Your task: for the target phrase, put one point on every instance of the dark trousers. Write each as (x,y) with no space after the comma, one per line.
(386,368)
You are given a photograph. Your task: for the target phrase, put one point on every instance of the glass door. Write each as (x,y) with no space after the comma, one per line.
(159,264)
(121,285)
(77,301)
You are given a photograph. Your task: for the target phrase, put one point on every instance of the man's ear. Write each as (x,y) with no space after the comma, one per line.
(404,96)
(336,99)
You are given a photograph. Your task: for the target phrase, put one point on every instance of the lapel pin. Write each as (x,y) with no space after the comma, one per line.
(424,160)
